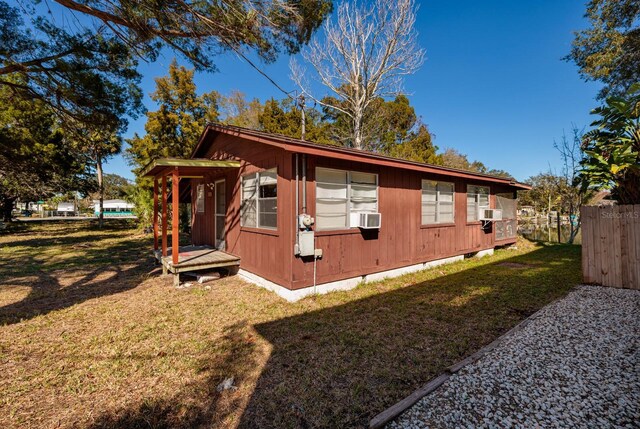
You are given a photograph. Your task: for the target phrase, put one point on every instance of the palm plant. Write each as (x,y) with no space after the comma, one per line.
(612,149)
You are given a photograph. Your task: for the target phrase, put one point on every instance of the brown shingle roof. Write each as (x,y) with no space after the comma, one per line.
(303,146)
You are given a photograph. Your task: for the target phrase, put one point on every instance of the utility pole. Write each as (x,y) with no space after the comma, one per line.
(303,124)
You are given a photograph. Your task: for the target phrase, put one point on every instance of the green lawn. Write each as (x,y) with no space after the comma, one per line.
(92,336)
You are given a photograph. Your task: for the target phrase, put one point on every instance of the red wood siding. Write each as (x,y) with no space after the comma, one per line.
(261,251)
(401,241)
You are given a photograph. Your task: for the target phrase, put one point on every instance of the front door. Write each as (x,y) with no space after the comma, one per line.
(220,211)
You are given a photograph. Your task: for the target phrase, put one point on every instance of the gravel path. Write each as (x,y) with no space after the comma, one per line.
(577,364)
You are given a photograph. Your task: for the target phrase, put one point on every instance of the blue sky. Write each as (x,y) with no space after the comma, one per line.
(494,85)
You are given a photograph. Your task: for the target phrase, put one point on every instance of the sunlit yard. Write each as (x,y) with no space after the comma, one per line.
(91,335)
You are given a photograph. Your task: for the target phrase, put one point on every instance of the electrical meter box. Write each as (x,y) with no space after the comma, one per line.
(307,244)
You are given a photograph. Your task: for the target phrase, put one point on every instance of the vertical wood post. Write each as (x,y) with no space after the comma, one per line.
(175,194)
(164,215)
(155,213)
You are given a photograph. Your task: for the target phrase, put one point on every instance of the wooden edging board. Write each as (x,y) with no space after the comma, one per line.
(398,408)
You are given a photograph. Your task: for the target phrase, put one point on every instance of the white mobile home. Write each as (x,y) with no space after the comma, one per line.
(113,208)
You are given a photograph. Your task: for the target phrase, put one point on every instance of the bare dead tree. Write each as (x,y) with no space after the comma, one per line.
(572,195)
(365,54)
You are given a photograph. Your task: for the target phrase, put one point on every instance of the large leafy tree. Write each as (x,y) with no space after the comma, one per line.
(386,125)
(612,148)
(91,65)
(418,146)
(86,77)
(236,110)
(37,159)
(545,192)
(609,50)
(284,117)
(454,159)
(116,187)
(201,29)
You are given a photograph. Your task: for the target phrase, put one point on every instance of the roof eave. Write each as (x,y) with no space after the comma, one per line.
(300,146)
(164,165)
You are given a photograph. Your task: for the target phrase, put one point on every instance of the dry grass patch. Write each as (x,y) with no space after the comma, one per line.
(98,342)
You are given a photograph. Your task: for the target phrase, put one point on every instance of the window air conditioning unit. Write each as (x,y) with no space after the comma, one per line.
(370,220)
(489,214)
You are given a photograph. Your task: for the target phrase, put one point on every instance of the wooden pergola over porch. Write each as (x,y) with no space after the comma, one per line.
(175,169)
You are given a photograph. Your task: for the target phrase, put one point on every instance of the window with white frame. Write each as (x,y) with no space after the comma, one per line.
(340,193)
(477,197)
(259,208)
(200,198)
(437,202)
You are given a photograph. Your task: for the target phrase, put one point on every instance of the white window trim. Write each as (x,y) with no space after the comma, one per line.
(477,202)
(349,226)
(453,202)
(256,197)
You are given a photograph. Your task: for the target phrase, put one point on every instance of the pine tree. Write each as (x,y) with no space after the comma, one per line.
(171,131)
(174,129)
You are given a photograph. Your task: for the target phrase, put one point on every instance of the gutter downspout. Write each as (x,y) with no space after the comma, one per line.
(304,211)
(296,248)
(304,183)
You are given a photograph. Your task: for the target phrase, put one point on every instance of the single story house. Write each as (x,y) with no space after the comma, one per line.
(301,218)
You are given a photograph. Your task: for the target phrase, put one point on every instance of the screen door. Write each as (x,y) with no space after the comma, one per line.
(220,210)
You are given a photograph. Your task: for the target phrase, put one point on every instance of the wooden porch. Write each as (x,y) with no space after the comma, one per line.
(195,258)
(188,258)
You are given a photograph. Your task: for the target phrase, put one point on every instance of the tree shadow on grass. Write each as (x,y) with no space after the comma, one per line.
(93,269)
(198,404)
(339,366)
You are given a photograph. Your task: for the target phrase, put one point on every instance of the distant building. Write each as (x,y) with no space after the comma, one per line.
(526,211)
(113,208)
(33,206)
(66,209)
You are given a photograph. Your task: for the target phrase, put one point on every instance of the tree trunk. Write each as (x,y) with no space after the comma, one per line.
(357,131)
(7,208)
(100,191)
(572,230)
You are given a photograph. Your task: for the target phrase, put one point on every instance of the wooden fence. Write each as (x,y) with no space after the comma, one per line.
(611,245)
